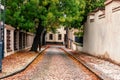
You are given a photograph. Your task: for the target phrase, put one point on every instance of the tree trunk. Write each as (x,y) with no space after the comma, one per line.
(37,38)
(42,38)
(66,38)
(35,43)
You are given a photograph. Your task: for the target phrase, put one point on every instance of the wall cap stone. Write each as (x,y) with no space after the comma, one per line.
(109,1)
(30,33)
(116,9)
(92,13)
(9,27)
(96,10)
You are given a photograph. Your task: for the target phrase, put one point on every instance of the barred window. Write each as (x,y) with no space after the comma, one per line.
(91,20)
(59,36)
(50,36)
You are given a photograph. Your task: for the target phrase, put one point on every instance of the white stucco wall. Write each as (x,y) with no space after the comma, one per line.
(28,40)
(115,34)
(11,29)
(55,36)
(102,37)
(30,37)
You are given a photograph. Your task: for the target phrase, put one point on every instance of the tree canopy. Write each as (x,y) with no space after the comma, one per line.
(38,15)
(23,14)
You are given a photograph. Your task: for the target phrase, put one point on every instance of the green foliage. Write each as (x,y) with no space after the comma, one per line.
(90,6)
(93,4)
(72,12)
(2,2)
(20,14)
(80,32)
(49,13)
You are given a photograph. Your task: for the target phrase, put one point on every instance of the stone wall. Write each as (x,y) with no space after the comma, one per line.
(102,32)
(16,40)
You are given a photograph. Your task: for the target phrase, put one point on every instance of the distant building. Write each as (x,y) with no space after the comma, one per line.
(57,38)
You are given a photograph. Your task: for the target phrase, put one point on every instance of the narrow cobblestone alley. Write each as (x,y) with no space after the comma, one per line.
(57,65)
(59,39)
(54,65)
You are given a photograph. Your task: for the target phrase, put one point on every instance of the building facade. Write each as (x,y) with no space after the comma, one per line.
(57,38)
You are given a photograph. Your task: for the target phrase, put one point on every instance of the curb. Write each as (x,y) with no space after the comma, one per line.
(95,71)
(25,66)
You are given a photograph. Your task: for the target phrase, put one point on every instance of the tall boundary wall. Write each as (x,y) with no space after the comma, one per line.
(16,40)
(102,32)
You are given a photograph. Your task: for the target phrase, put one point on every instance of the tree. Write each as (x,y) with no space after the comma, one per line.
(73,11)
(47,19)
(55,12)
(40,15)
(18,14)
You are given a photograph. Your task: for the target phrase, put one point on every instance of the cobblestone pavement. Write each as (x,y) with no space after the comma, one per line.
(54,65)
(108,69)
(105,68)
(17,62)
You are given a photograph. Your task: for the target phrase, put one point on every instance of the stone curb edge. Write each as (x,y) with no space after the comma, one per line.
(25,66)
(103,77)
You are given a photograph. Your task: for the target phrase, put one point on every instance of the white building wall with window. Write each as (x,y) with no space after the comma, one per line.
(56,37)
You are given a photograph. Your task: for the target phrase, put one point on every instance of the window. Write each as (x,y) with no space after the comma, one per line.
(59,37)
(91,20)
(8,41)
(50,36)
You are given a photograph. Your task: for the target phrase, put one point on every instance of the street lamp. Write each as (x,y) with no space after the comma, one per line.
(2,21)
